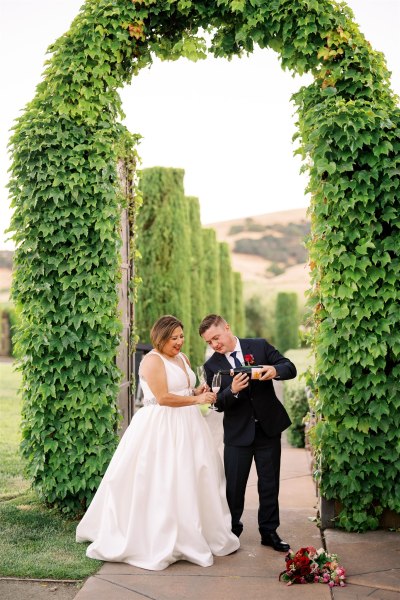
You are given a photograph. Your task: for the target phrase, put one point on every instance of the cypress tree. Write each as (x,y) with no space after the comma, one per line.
(226,284)
(212,289)
(197,347)
(239,316)
(287,321)
(164,244)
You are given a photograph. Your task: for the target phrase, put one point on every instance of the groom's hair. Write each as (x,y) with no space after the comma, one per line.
(209,321)
(163,329)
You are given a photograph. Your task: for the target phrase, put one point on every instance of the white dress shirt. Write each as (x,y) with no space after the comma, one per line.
(239,354)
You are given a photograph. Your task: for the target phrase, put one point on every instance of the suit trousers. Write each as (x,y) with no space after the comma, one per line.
(266,452)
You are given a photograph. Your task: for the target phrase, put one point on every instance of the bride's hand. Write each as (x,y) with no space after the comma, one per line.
(201,389)
(206,398)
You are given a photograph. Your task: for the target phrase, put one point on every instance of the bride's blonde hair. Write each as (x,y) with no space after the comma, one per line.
(162,330)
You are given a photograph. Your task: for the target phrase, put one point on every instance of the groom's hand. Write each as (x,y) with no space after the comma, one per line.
(268,372)
(239,383)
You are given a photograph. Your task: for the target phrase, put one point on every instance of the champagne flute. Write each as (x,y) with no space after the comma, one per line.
(215,386)
(202,379)
(201,375)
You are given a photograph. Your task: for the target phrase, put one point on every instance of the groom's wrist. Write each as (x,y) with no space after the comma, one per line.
(236,394)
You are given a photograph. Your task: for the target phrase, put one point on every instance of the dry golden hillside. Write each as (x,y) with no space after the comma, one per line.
(253,268)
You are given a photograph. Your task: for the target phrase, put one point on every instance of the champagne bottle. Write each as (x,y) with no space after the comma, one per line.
(252,371)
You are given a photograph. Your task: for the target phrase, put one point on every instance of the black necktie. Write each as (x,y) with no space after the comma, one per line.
(236,360)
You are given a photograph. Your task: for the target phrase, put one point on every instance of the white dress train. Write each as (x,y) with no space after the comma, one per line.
(162,498)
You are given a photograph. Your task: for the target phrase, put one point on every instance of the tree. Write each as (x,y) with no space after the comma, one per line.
(259,319)
(164,244)
(212,288)
(226,284)
(197,283)
(287,321)
(239,314)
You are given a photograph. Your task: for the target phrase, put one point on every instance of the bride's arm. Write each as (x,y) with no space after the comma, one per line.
(153,370)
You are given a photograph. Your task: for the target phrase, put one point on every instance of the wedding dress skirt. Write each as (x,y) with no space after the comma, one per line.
(162,498)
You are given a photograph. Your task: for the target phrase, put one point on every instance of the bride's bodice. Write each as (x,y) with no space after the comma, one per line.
(179,382)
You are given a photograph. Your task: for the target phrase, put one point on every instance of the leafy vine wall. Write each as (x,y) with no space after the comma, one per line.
(65,193)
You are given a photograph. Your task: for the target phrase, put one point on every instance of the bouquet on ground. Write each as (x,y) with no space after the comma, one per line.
(309,565)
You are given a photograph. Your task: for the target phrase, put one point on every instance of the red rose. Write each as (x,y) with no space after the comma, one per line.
(301,552)
(249,359)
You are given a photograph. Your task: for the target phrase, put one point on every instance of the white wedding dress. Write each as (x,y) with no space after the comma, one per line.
(162,498)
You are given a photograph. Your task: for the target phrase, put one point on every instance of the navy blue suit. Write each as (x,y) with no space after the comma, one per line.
(253,423)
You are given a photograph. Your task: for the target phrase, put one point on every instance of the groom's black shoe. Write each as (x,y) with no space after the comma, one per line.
(237,528)
(237,531)
(273,539)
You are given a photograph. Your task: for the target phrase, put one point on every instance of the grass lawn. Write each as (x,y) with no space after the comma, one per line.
(35,541)
(302,358)
(12,481)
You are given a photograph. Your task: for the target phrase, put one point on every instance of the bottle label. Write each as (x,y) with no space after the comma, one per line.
(255,373)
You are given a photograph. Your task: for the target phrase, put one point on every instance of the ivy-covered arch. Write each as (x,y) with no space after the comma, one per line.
(66,198)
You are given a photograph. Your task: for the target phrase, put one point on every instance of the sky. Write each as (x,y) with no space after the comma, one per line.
(228,124)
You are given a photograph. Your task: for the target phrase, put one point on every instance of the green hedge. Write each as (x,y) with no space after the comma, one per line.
(165,247)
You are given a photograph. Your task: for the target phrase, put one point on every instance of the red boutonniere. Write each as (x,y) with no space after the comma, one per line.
(249,359)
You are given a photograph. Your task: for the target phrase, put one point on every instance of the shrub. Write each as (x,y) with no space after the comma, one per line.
(296,404)
(234,229)
(9,312)
(259,319)
(274,269)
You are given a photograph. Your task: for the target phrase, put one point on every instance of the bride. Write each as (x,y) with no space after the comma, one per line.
(162,498)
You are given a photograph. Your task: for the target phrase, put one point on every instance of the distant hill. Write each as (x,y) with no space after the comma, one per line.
(262,273)
(268,250)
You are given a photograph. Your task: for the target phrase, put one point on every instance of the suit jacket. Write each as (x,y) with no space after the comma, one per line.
(258,401)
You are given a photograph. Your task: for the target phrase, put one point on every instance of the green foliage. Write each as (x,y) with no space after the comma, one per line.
(286,321)
(211,272)
(296,397)
(238,308)
(349,127)
(65,193)
(260,319)
(226,284)
(296,404)
(197,283)
(8,312)
(164,245)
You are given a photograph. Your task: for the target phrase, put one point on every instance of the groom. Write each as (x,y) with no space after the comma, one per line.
(253,422)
